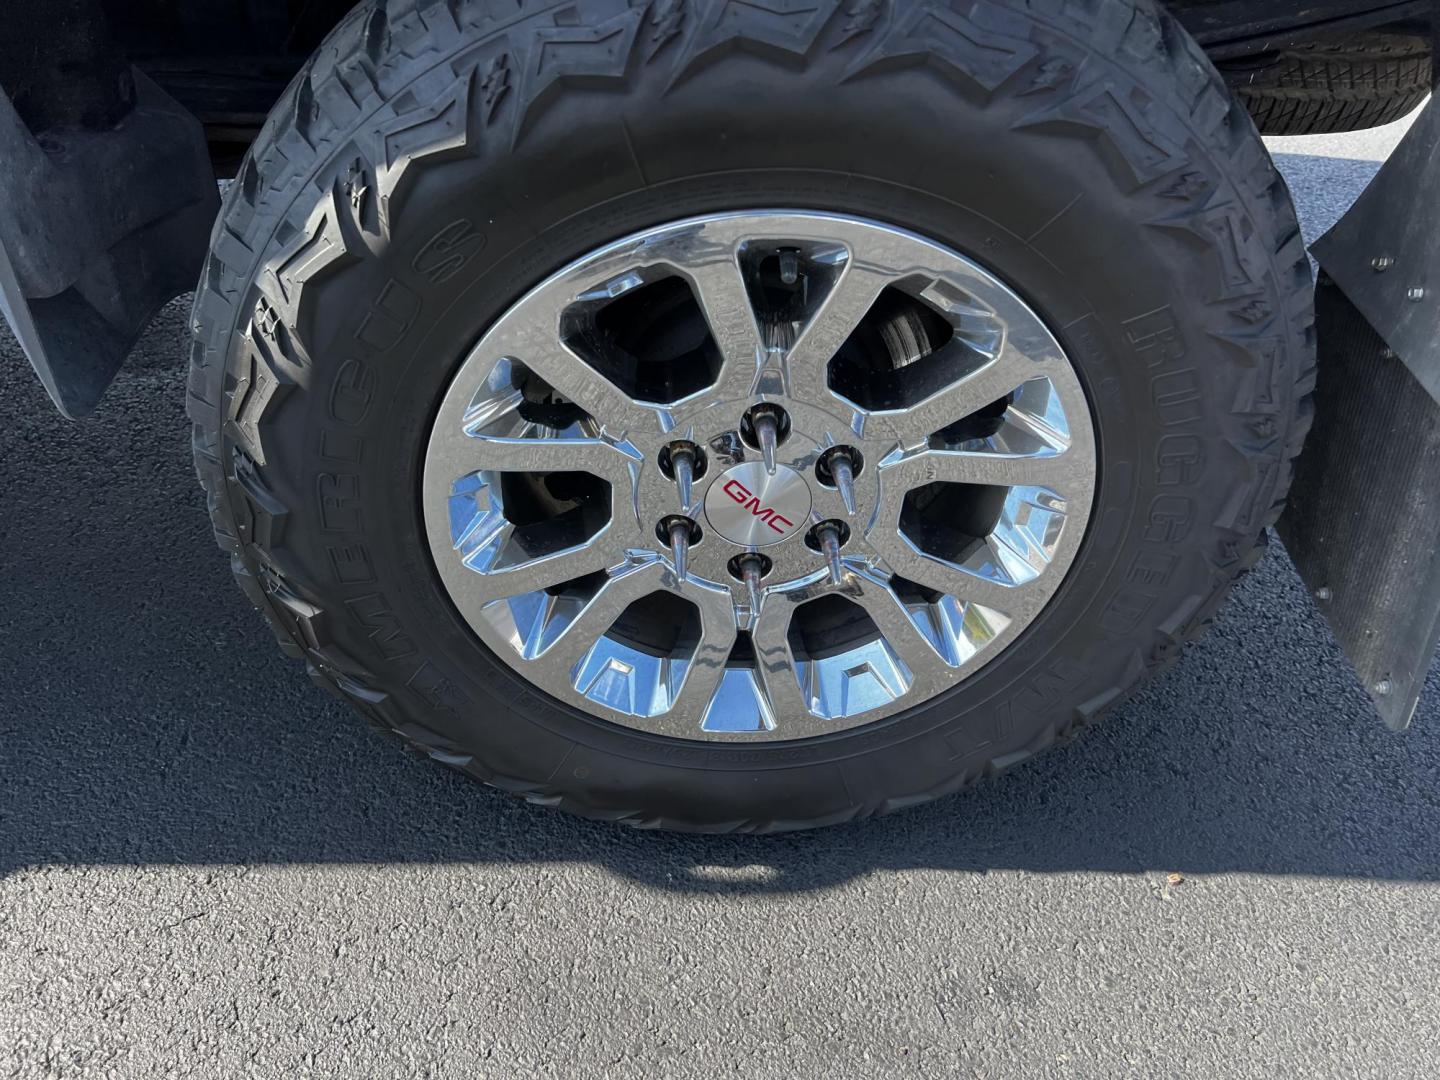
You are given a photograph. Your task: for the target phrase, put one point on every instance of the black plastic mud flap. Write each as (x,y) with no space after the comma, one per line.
(1363,520)
(97,230)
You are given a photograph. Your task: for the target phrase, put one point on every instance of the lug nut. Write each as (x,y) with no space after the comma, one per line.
(684,463)
(680,533)
(765,426)
(837,467)
(845,481)
(828,538)
(750,569)
(680,548)
(768,432)
(684,475)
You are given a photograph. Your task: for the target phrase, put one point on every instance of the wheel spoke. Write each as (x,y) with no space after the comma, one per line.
(840,312)
(707,663)
(626,584)
(720,290)
(894,623)
(610,461)
(514,575)
(775,663)
(577,381)
(980,386)
(1054,471)
(1018,600)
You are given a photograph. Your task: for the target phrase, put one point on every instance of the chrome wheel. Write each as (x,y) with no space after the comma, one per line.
(759,476)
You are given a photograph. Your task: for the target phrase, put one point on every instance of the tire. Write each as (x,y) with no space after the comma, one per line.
(1363,81)
(435,160)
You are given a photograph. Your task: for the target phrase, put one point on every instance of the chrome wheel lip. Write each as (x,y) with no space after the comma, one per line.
(794,700)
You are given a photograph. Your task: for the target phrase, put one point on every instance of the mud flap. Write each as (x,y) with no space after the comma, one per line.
(98,229)
(1363,519)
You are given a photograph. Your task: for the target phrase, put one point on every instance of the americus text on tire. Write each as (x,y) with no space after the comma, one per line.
(748,416)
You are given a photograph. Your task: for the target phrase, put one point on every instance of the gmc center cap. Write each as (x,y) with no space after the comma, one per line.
(753,508)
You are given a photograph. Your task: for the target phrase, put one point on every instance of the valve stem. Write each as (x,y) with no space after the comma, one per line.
(767,434)
(789,267)
(829,537)
(843,471)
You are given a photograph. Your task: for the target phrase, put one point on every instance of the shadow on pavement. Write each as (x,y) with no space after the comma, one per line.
(148,718)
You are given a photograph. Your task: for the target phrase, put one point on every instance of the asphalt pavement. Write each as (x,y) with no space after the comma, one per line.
(209,868)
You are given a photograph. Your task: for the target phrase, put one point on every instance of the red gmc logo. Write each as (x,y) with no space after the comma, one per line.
(746,498)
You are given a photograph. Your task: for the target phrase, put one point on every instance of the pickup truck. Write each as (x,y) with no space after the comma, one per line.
(744,415)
